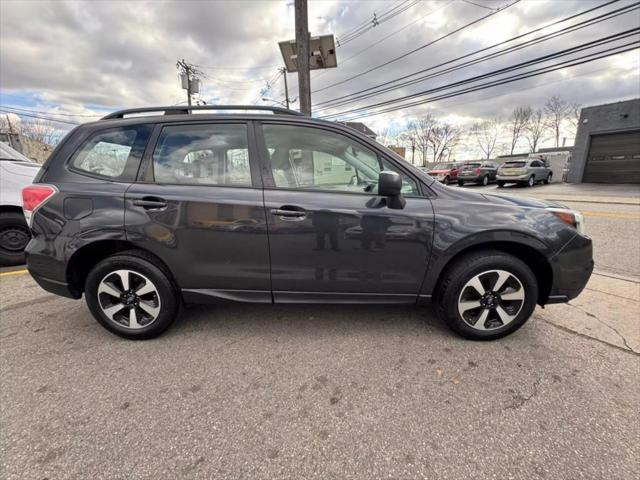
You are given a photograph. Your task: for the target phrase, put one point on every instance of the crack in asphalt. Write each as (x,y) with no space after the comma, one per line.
(44,299)
(583,335)
(624,340)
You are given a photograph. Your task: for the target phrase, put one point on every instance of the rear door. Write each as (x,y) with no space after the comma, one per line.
(199,207)
(331,237)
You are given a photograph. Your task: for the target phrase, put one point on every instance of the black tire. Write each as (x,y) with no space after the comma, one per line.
(547,180)
(143,264)
(450,288)
(446,180)
(14,236)
(485,180)
(531,182)
(460,183)
(500,184)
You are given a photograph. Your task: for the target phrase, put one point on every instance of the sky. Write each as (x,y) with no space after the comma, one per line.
(76,61)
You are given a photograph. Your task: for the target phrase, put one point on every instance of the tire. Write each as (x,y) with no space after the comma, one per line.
(486,265)
(500,184)
(460,183)
(547,180)
(485,180)
(531,182)
(14,236)
(155,310)
(446,180)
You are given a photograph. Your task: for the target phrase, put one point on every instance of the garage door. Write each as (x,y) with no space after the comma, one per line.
(614,158)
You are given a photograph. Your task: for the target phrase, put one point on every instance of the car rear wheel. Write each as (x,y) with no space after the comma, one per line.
(500,184)
(460,183)
(485,180)
(487,295)
(531,182)
(131,297)
(547,181)
(14,236)
(446,180)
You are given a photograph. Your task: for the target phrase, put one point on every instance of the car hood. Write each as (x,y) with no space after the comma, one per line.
(431,172)
(21,168)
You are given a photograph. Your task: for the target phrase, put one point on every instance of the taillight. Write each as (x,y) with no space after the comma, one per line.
(35,196)
(478,171)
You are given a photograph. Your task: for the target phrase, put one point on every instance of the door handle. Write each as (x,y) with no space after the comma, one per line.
(288,213)
(150,203)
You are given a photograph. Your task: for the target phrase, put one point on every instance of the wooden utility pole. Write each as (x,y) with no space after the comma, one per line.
(286,87)
(186,69)
(302,59)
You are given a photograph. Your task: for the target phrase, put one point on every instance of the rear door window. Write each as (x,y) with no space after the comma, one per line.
(114,153)
(209,154)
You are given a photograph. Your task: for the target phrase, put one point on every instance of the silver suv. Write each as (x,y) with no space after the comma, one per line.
(525,172)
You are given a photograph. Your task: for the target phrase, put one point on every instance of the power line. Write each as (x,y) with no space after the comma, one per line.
(477,4)
(416,49)
(383,88)
(50,113)
(521,76)
(542,59)
(39,117)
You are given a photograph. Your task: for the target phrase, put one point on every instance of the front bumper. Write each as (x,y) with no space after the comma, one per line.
(572,267)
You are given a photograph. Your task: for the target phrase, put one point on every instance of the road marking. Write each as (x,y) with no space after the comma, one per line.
(617,216)
(15,272)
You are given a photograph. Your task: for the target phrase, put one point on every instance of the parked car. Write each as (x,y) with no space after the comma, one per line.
(16,172)
(135,212)
(480,173)
(445,172)
(525,172)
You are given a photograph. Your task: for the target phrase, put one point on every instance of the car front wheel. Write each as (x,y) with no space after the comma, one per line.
(531,182)
(485,180)
(460,183)
(487,295)
(131,297)
(547,181)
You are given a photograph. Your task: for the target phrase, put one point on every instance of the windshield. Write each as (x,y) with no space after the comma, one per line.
(471,165)
(514,164)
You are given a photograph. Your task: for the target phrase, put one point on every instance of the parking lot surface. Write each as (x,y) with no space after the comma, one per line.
(245,391)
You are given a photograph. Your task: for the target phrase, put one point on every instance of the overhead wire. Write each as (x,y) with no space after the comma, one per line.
(397,82)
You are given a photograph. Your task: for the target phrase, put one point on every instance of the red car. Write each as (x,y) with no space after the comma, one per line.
(445,172)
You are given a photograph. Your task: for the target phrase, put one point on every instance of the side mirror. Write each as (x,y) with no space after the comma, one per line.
(389,184)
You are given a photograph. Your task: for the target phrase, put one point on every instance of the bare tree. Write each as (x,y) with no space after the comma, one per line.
(40,131)
(422,130)
(444,139)
(517,124)
(557,111)
(535,129)
(486,135)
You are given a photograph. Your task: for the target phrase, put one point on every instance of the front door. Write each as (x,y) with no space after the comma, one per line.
(201,211)
(331,237)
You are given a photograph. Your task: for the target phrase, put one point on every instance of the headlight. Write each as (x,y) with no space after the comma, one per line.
(570,217)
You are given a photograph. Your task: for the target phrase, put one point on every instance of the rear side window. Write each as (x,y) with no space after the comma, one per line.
(114,153)
(214,154)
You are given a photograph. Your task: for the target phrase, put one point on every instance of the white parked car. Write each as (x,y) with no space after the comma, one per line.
(16,172)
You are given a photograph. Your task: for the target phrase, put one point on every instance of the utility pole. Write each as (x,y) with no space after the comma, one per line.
(189,73)
(283,70)
(302,59)
(9,124)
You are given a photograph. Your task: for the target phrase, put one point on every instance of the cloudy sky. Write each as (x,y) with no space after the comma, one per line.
(87,58)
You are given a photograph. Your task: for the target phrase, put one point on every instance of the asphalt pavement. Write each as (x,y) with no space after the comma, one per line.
(252,391)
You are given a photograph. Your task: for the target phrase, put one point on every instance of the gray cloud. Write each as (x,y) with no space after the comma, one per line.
(121,54)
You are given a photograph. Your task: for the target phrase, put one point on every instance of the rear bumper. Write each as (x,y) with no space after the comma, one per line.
(47,270)
(572,267)
(513,178)
(473,178)
(54,286)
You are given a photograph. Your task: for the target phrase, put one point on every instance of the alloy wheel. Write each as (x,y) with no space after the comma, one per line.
(531,181)
(129,299)
(491,300)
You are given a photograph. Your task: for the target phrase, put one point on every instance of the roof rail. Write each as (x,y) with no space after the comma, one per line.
(185,110)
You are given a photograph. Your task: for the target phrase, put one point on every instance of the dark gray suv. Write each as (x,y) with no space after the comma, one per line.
(148,209)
